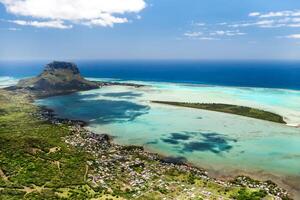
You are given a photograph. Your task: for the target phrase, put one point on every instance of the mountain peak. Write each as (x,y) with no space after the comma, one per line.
(60,65)
(57,78)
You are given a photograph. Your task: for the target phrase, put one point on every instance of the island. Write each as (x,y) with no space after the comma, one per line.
(231,109)
(45,157)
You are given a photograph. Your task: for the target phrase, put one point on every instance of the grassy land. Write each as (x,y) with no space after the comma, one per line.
(232,109)
(36,163)
(29,161)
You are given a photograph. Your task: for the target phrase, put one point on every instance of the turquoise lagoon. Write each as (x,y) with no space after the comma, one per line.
(217,141)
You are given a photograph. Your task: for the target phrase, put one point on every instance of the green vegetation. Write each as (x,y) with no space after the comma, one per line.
(34,160)
(36,163)
(243,194)
(232,109)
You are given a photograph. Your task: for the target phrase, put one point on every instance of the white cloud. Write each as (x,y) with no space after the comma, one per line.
(222,23)
(294,25)
(235,33)
(218,33)
(294,36)
(207,38)
(281,19)
(263,24)
(10,29)
(43,24)
(287,13)
(267,24)
(106,20)
(13,29)
(198,24)
(295,19)
(227,33)
(254,14)
(213,35)
(87,12)
(193,34)
(287,18)
(236,25)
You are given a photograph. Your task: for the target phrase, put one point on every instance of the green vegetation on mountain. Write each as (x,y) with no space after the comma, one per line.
(232,109)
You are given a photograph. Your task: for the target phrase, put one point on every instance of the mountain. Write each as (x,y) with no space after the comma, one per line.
(57,78)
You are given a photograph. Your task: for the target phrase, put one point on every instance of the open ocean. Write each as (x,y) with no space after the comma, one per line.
(268,74)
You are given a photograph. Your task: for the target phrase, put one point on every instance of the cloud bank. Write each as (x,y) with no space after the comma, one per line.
(213,34)
(43,24)
(63,13)
(285,13)
(287,18)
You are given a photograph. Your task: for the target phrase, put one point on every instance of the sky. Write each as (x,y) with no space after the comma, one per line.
(149,29)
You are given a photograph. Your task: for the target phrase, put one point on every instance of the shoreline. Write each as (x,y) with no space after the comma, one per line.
(289,183)
(269,182)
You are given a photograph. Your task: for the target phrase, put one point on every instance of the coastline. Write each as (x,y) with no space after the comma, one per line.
(271,183)
(215,176)
(288,183)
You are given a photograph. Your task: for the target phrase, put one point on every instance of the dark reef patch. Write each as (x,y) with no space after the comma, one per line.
(170,141)
(176,138)
(198,141)
(213,142)
(87,107)
(152,142)
(180,136)
(126,95)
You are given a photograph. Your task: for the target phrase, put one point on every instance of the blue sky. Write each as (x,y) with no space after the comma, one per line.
(149,29)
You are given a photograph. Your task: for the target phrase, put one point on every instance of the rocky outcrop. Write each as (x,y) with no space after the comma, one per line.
(57,78)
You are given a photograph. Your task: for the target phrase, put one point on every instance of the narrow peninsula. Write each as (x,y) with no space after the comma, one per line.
(231,109)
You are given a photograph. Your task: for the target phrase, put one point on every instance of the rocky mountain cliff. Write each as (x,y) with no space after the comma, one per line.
(57,78)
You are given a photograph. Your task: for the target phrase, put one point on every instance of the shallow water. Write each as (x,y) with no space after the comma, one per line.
(6,81)
(213,140)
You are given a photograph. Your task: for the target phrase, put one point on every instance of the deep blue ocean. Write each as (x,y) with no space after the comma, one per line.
(269,74)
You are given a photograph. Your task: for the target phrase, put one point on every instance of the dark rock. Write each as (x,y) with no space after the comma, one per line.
(52,67)
(57,78)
